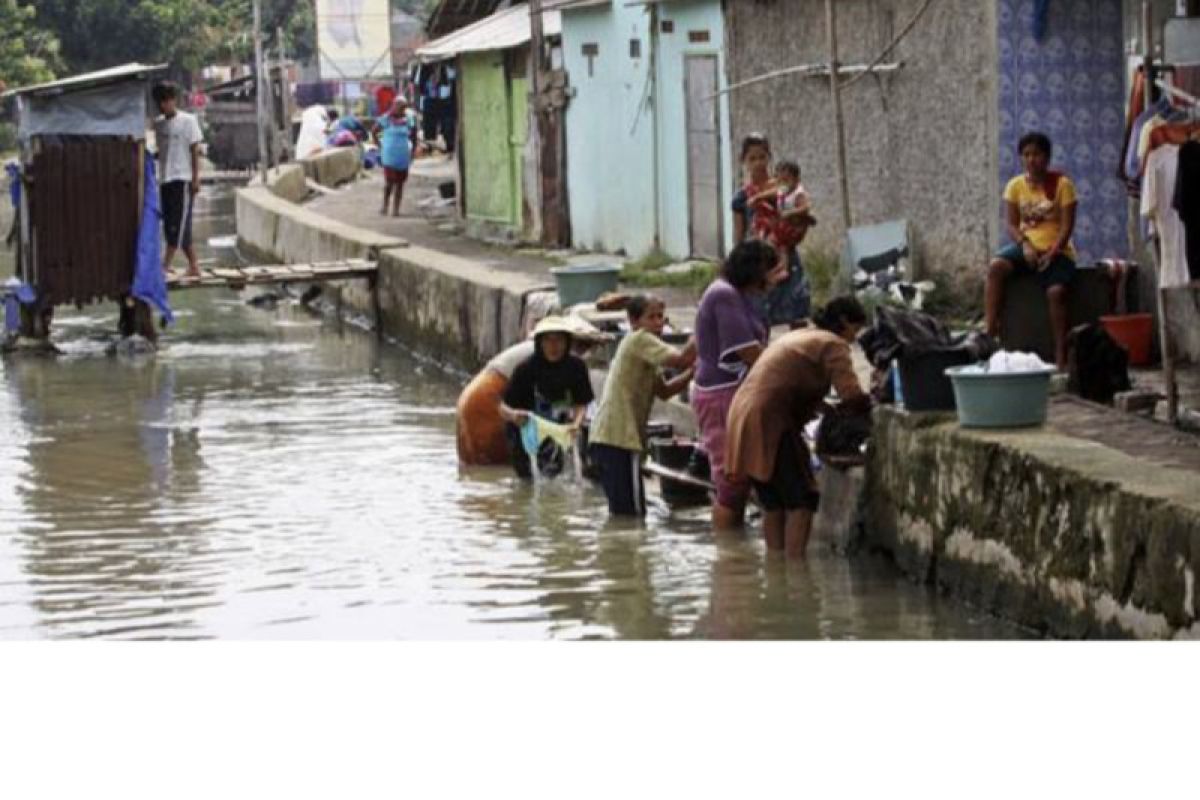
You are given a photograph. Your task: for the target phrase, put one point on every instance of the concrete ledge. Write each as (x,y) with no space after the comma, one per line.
(334,167)
(276,229)
(457,311)
(288,182)
(1055,532)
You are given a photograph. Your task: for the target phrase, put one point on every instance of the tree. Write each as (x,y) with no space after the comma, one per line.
(102,33)
(293,17)
(28,54)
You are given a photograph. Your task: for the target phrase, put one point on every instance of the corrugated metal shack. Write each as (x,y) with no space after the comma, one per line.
(82,144)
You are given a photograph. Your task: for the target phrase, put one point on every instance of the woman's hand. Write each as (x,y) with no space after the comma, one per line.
(778,275)
(1048,257)
(1030,252)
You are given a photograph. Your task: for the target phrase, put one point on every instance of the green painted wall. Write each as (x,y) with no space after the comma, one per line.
(494,134)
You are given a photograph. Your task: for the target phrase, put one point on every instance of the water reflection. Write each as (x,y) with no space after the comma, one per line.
(267,476)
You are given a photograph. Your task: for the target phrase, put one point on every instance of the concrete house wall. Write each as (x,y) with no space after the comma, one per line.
(610,129)
(687,16)
(921,142)
(935,141)
(627,140)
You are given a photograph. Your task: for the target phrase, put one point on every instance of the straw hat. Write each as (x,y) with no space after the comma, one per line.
(553,325)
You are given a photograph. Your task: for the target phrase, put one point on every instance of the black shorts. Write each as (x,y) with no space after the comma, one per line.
(792,487)
(1059,272)
(621,476)
(177,213)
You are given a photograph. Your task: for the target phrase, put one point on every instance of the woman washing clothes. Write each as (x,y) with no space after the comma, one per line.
(481,436)
(781,395)
(730,336)
(551,386)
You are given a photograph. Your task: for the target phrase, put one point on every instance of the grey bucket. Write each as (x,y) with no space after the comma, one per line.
(584,283)
(1000,399)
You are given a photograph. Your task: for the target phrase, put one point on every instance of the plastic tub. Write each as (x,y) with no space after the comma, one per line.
(1000,399)
(1134,332)
(585,283)
(925,384)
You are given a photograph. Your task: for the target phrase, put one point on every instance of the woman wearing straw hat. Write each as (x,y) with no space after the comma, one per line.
(481,429)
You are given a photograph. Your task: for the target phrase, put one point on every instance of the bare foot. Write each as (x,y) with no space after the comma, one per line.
(193,272)
(395,213)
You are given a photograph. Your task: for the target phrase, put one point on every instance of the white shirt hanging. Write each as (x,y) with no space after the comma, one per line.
(1158,191)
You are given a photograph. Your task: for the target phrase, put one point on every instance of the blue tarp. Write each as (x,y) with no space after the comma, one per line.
(14,182)
(15,294)
(149,282)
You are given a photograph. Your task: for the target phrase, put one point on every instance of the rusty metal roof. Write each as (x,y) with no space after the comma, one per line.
(501,31)
(77,83)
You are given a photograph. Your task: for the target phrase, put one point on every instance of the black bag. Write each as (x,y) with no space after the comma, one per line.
(1098,366)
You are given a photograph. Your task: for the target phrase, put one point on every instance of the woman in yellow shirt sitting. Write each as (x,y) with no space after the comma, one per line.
(1040,218)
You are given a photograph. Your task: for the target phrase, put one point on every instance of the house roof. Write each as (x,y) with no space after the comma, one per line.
(501,31)
(78,83)
(570,4)
(450,15)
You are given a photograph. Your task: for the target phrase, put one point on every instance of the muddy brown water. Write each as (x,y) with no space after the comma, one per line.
(270,475)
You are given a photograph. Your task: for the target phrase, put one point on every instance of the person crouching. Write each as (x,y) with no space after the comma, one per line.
(782,394)
(553,385)
(618,433)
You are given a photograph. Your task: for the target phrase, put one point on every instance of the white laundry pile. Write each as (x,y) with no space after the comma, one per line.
(1004,362)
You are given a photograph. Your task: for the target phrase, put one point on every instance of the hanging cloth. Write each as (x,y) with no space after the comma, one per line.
(1041,14)
(149,282)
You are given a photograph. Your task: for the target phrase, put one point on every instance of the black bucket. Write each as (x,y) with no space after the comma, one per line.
(923,380)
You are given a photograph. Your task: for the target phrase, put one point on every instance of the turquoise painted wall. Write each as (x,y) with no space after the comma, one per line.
(610,130)
(687,16)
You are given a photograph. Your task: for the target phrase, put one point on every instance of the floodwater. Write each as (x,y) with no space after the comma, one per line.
(269,475)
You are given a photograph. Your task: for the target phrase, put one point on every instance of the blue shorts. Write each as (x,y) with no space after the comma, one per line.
(1060,271)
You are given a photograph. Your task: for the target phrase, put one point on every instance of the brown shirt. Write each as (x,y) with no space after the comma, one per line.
(782,394)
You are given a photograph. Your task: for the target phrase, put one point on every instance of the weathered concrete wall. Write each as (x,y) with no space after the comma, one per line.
(1059,533)
(457,311)
(921,142)
(277,229)
(332,168)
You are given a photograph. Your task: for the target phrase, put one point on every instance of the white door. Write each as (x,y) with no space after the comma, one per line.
(704,156)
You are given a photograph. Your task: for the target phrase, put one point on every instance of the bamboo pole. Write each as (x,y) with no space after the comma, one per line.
(838,118)
(260,95)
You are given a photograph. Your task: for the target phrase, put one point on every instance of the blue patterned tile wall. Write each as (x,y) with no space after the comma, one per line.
(1070,85)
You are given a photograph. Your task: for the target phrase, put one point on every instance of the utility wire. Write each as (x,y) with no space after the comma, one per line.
(912,23)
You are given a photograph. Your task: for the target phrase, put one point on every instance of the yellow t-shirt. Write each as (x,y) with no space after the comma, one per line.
(1041,216)
(629,392)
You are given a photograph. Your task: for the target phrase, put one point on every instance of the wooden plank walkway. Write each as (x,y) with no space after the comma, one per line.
(239,277)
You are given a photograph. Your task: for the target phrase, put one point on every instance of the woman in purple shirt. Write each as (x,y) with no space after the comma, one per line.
(730,336)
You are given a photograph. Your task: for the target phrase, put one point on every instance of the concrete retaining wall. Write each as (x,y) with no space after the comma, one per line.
(1058,533)
(332,168)
(457,311)
(276,229)
(288,182)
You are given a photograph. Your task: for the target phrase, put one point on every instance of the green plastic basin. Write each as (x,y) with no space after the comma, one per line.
(584,283)
(1002,399)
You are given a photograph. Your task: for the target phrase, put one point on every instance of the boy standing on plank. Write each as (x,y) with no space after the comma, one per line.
(178,136)
(618,434)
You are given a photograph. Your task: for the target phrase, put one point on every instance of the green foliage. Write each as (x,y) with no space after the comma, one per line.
(647,272)
(822,268)
(8,140)
(187,34)
(28,54)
